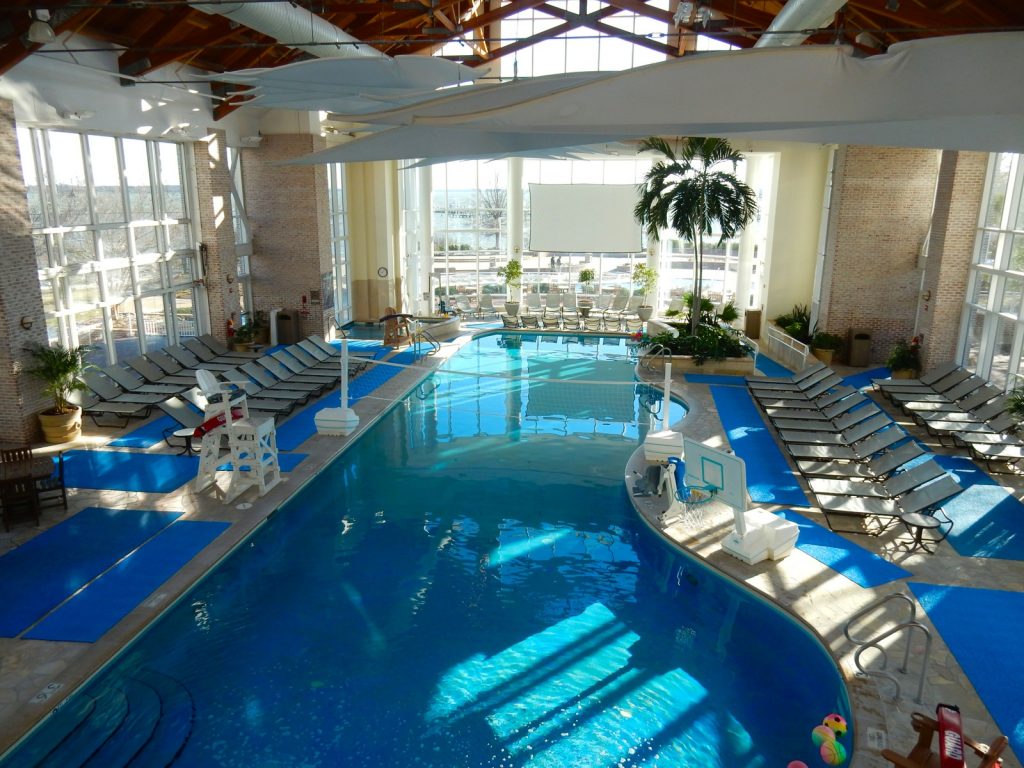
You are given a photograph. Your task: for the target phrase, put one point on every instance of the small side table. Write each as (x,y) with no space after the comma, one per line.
(184,435)
(917,523)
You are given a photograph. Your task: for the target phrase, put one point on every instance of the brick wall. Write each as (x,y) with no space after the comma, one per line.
(288,207)
(213,181)
(950,251)
(879,218)
(21,397)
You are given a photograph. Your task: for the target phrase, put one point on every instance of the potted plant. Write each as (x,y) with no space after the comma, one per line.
(646,280)
(60,369)
(825,345)
(261,327)
(512,275)
(905,359)
(244,337)
(690,192)
(587,277)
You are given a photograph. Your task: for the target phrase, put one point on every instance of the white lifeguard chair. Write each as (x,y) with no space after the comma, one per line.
(251,443)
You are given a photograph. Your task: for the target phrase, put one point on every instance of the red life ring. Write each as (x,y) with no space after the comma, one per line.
(217,421)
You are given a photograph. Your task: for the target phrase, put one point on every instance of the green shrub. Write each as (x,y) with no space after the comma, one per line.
(822,340)
(712,342)
(796,322)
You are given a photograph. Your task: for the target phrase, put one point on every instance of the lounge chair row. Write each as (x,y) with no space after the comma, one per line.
(961,409)
(855,459)
(275,382)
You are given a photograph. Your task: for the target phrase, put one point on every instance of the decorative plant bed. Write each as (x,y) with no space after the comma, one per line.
(730,366)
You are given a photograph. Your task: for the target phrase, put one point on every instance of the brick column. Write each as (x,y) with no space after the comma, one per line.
(21,396)
(288,208)
(213,180)
(950,251)
(881,209)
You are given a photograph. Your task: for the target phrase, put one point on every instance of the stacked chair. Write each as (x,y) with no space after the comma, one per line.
(962,410)
(856,460)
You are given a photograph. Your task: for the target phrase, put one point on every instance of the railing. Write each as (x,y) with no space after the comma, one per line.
(909,626)
(654,353)
(422,336)
(785,349)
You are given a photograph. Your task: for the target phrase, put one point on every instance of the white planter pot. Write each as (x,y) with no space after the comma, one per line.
(645,312)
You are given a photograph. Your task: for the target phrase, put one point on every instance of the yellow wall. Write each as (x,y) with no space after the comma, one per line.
(373,238)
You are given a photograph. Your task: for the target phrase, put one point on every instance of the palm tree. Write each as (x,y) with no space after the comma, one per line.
(688,192)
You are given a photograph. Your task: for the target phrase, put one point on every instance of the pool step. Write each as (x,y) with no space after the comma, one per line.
(144,721)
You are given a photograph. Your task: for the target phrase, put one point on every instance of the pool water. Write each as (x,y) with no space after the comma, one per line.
(467,585)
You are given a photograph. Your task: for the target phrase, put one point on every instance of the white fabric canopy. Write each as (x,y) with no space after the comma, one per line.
(956,92)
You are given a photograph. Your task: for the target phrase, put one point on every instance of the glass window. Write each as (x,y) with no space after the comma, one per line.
(997,191)
(69,187)
(88,258)
(982,289)
(987,248)
(140,188)
(1012,289)
(106,179)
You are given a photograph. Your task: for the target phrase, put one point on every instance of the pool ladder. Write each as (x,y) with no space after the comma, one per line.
(421,337)
(909,626)
(652,354)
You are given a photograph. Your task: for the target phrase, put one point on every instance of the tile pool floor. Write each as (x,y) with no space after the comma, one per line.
(37,674)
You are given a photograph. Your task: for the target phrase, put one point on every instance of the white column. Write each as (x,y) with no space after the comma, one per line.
(423,302)
(515,215)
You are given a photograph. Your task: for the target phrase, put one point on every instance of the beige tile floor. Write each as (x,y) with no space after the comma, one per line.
(36,675)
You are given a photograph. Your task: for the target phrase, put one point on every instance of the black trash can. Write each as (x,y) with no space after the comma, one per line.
(860,347)
(287,326)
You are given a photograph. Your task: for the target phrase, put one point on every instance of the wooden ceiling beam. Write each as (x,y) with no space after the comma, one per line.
(635,39)
(641,8)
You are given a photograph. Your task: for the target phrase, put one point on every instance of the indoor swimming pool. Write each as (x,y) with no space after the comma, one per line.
(467,585)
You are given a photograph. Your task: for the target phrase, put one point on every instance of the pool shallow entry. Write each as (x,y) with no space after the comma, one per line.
(467,585)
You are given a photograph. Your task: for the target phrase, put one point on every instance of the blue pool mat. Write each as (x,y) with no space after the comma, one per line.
(863,379)
(287,462)
(769,478)
(859,565)
(715,378)
(123,471)
(300,427)
(97,608)
(770,367)
(982,628)
(988,521)
(147,435)
(44,571)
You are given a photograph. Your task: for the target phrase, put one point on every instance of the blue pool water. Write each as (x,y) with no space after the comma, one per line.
(467,585)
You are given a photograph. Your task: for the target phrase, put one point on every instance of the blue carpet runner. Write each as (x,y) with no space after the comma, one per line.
(46,570)
(863,379)
(982,628)
(988,521)
(123,471)
(859,565)
(769,478)
(92,612)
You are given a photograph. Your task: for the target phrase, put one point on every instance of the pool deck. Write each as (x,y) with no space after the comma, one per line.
(820,597)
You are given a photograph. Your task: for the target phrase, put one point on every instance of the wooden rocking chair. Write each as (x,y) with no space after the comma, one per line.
(922,756)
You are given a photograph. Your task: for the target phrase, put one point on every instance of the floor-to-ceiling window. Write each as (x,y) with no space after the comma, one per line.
(341,299)
(992,332)
(113,238)
(243,231)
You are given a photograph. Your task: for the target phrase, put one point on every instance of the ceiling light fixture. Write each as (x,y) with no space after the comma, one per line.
(40,31)
(892,5)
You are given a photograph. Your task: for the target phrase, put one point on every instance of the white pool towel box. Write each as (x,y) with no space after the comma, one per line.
(768,537)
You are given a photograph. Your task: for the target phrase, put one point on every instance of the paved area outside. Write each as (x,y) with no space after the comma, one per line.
(37,675)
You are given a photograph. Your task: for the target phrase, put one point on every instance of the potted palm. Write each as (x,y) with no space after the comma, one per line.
(60,369)
(587,277)
(688,191)
(646,280)
(512,275)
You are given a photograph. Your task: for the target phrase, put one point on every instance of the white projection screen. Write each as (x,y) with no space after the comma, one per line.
(588,218)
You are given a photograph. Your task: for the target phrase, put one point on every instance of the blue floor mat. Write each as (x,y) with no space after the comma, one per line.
(122,471)
(769,367)
(97,608)
(300,427)
(44,571)
(863,379)
(769,478)
(147,435)
(859,565)
(988,521)
(982,628)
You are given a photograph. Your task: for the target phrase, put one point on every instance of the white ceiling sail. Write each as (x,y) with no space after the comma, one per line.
(957,92)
